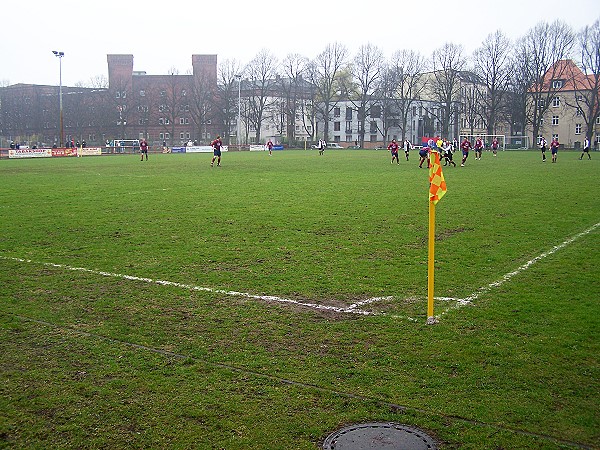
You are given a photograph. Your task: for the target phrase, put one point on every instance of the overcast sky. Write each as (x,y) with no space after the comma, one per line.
(162,35)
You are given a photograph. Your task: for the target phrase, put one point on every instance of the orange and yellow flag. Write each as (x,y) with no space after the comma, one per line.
(437,184)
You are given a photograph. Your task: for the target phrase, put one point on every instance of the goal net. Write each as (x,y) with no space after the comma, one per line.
(487,140)
(519,142)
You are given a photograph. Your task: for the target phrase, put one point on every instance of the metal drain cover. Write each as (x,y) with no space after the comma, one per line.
(379,436)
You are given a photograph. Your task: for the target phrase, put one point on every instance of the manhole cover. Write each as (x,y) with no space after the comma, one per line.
(377,436)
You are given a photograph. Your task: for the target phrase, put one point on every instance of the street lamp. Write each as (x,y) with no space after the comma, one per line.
(60,55)
(239,123)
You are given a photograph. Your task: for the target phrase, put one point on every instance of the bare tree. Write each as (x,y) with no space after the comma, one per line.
(366,71)
(448,63)
(587,88)
(262,74)
(472,98)
(324,74)
(229,75)
(541,50)
(491,63)
(295,90)
(405,86)
(173,100)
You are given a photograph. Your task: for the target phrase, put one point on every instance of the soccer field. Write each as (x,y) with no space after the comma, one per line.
(269,302)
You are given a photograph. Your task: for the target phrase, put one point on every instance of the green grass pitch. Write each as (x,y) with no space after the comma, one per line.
(266,303)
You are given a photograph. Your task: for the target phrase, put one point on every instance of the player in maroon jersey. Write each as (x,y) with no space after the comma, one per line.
(393,148)
(554,148)
(495,145)
(465,147)
(144,148)
(478,148)
(216,145)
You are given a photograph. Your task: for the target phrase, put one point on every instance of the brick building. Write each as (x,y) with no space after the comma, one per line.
(173,108)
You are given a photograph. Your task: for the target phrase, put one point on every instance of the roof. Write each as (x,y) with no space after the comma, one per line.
(569,73)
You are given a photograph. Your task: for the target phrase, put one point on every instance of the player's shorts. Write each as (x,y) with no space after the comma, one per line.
(216,152)
(144,151)
(465,153)
(554,151)
(423,153)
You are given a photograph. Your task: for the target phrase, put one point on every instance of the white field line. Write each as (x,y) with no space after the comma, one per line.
(352,309)
(460,302)
(268,298)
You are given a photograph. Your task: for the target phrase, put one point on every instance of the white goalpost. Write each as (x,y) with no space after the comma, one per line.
(487,140)
(519,142)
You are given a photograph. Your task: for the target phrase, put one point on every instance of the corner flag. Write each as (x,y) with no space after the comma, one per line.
(437,189)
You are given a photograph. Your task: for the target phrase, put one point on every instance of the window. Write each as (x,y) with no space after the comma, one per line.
(555,136)
(554,120)
(555,102)
(348,127)
(373,127)
(336,112)
(376,112)
(336,126)
(414,110)
(579,112)
(181,121)
(163,93)
(373,138)
(183,92)
(161,108)
(577,128)
(348,113)
(142,93)
(557,84)
(598,120)
(541,103)
(181,135)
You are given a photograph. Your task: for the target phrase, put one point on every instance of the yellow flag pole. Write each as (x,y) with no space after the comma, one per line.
(430,264)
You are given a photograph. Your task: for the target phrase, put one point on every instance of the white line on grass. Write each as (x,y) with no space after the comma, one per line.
(460,302)
(268,298)
(352,309)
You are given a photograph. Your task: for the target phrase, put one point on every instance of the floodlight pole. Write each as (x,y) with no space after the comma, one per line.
(60,101)
(239,122)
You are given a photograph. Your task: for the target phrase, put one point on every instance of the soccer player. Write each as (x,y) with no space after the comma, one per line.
(393,148)
(554,148)
(407,147)
(543,144)
(216,145)
(478,148)
(495,146)
(465,147)
(586,149)
(270,147)
(144,148)
(424,155)
(448,152)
